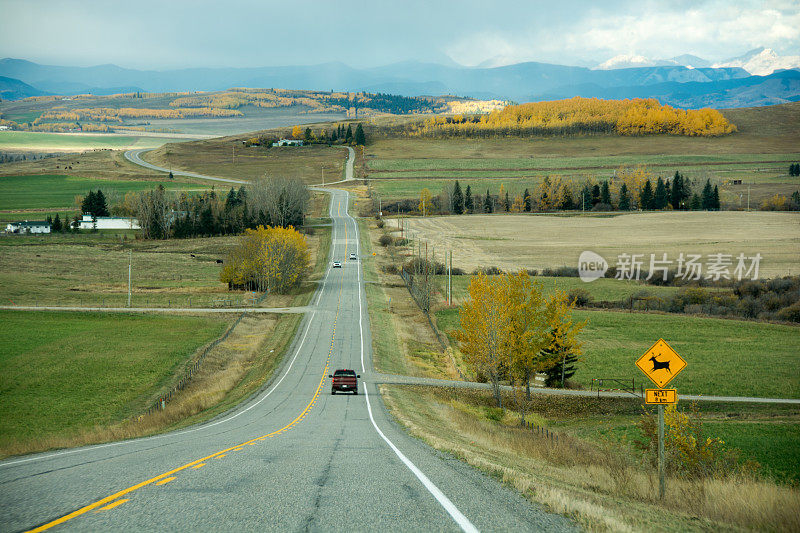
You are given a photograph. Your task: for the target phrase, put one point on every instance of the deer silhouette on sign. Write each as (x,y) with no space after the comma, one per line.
(658,365)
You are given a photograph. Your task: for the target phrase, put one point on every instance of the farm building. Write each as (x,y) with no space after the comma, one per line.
(108,223)
(288,142)
(28,227)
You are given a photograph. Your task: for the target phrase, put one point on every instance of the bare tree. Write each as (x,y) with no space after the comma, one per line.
(153,211)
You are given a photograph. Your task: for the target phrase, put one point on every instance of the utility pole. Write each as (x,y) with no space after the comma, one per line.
(661,480)
(130,261)
(748,198)
(449,280)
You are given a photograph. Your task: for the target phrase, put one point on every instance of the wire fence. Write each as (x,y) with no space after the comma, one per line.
(161,403)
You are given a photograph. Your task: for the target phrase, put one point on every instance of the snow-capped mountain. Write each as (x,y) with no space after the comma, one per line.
(761,62)
(758,62)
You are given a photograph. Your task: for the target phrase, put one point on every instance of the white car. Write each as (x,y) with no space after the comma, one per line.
(353,257)
(337,264)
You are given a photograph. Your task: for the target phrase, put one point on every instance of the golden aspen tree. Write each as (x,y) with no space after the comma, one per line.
(425,201)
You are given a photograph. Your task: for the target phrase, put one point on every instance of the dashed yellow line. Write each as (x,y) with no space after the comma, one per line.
(201,465)
(112,505)
(166,477)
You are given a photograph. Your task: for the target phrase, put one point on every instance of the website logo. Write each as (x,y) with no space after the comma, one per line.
(591,266)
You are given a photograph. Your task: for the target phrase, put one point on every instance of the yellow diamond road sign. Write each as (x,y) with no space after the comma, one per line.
(661,363)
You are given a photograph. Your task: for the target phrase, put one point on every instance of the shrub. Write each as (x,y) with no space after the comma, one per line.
(391,269)
(487,271)
(791,313)
(380,223)
(581,297)
(385,239)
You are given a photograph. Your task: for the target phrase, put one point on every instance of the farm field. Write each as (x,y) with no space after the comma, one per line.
(58,191)
(512,242)
(95,164)
(725,357)
(58,368)
(11,141)
(227,157)
(759,154)
(92,270)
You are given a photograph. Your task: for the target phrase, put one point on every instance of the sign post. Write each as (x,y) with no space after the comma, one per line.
(661,364)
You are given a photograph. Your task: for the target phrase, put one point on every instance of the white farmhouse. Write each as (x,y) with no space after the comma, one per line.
(28,227)
(288,142)
(108,223)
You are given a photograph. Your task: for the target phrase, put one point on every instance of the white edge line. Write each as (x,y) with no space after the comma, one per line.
(462,521)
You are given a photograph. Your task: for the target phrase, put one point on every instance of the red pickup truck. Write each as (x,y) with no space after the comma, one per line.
(345,381)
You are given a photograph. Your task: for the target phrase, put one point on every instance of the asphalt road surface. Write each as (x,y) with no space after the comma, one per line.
(291,458)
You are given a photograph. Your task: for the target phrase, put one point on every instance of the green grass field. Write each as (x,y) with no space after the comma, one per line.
(724,357)
(59,191)
(64,373)
(73,142)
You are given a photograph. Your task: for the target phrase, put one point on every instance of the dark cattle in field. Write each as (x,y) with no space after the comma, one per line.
(219,261)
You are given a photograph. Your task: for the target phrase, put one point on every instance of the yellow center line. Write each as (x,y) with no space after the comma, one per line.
(166,480)
(201,465)
(200,462)
(112,505)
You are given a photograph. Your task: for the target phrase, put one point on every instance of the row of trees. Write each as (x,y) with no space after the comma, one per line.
(94,204)
(579,115)
(340,135)
(555,194)
(279,202)
(511,330)
(794,169)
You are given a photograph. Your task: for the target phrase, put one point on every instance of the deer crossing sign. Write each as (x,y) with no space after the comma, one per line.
(661,363)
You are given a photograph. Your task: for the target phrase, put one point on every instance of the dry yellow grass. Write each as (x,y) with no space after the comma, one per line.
(599,487)
(513,242)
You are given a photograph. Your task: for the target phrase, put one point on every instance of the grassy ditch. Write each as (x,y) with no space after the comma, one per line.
(602,484)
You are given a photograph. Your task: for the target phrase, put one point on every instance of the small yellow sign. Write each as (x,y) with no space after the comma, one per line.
(660,396)
(661,363)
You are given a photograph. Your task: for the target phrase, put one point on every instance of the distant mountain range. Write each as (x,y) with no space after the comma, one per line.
(692,86)
(758,62)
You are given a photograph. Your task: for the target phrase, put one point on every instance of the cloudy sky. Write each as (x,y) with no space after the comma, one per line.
(163,34)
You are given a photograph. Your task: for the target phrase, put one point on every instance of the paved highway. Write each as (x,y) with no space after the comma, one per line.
(293,457)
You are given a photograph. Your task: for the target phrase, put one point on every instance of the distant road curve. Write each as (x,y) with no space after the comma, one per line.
(134,157)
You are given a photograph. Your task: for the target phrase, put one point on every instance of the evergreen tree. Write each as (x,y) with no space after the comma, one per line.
(526,199)
(348,137)
(586,197)
(676,198)
(567,202)
(695,204)
(87,206)
(361,140)
(715,205)
(595,195)
(334,136)
(458,199)
(56,223)
(566,356)
(232,200)
(796,199)
(507,203)
(624,199)
(171,176)
(646,196)
(605,194)
(307,135)
(468,204)
(488,205)
(707,197)
(660,198)
(100,207)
